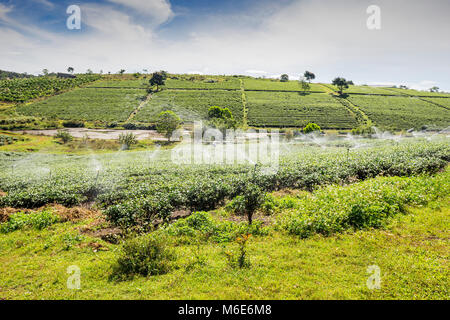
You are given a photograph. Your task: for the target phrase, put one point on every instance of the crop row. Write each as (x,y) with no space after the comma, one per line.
(191,104)
(294,109)
(87,104)
(135,190)
(20,90)
(401,112)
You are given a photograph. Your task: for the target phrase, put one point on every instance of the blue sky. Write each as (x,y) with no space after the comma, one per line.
(254,37)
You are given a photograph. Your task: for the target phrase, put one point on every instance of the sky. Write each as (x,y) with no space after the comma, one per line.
(249,37)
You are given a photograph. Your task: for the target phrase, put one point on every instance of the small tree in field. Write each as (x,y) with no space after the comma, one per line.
(64,136)
(311,127)
(309,76)
(167,123)
(70,69)
(284,78)
(434,89)
(158,79)
(341,83)
(253,198)
(305,85)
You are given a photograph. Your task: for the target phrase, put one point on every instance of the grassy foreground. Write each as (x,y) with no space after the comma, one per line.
(411,252)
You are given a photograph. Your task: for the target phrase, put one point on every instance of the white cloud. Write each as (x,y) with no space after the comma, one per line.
(159,10)
(45,3)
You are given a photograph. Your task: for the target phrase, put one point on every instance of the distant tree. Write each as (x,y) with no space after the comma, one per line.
(403,87)
(167,123)
(309,76)
(341,83)
(122,71)
(144,70)
(158,79)
(89,71)
(434,89)
(70,69)
(284,78)
(350,83)
(45,72)
(221,118)
(64,136)
(305,85)
(127,140)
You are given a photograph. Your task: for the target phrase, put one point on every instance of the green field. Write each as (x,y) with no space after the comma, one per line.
(412,92)
(275,109)
(401,112)
(87,104)
(191,104)
(276,85)
(228,83)
(142,84)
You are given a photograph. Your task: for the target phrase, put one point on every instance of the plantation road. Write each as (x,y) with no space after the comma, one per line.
(104,134)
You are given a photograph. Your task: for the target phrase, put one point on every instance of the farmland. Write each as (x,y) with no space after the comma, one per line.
(274,85)
(295,110)
(401,112)
(87,104)
(20,90)
(191,104)
(228,83)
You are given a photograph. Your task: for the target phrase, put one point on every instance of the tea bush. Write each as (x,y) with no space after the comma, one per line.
(145,255)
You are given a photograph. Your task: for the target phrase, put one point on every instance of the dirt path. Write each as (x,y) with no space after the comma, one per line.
(143,103)
(103,134)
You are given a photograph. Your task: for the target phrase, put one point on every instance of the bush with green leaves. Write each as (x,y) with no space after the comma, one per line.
(146,255)
(203,224)
(64,136)
(311,127)
(36,220)
(367,204)
(127,139)
(167,123)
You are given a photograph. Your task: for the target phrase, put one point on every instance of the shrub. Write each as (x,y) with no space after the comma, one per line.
(239,259)
(73,124)
(145,255)
(64,136)
(127,139)
(311,127)
(35,220)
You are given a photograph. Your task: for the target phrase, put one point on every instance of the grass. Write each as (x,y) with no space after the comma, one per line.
(218,83)
(294,109)
(401,112)
(87,104)
(119,83)
(411,253)
(48,144)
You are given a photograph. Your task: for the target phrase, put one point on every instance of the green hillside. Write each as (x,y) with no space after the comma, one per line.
(256,102)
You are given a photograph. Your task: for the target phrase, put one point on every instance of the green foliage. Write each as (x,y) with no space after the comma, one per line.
(284,78)
(340,83)
(309,76)
(202,224)
(240,258)
(64,136)
(127,139)
(145,255)
(167,123)
(158,79)
(364,205)
(36,220)
(311,127)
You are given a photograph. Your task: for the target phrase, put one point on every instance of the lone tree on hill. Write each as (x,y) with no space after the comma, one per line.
(284,78)
(167,123)
(341,83)
(309,76)
(70,69)
(122,71)
(158,79)
(434,89)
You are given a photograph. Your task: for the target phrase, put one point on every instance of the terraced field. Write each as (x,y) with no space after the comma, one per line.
(293,109)
(191,104)
(142,84)
(401,112)
(418,93)
(87,104)
(227,83)
(275,85)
